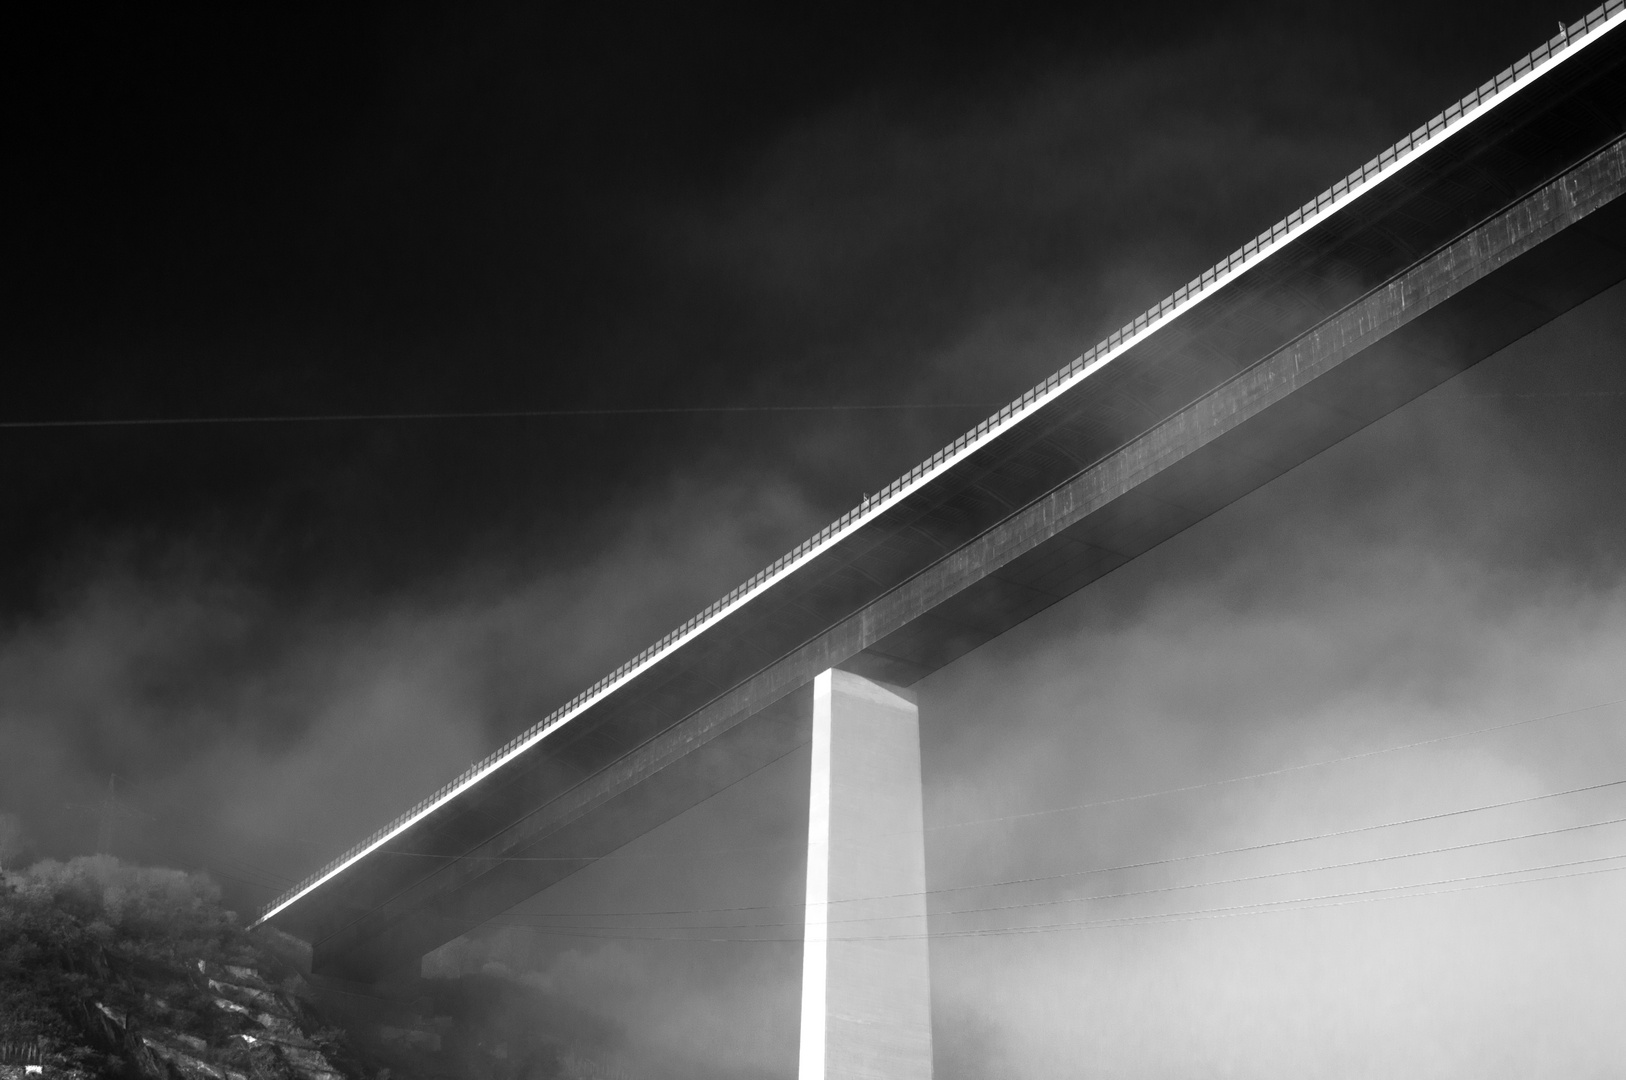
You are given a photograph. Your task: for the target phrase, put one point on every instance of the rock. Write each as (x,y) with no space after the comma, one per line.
(185,1063)
(249,995)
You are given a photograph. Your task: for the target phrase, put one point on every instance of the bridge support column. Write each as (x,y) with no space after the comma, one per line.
(866,988)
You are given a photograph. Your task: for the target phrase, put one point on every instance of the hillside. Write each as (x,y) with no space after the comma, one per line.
(109,970)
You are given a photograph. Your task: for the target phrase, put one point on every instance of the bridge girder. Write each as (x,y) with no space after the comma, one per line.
(1486,223)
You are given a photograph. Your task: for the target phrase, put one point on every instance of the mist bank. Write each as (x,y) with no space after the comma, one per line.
(1453,568)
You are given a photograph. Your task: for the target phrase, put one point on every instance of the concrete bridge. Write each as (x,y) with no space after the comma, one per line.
(1493,218)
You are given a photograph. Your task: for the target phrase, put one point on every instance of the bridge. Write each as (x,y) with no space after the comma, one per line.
(1493,218)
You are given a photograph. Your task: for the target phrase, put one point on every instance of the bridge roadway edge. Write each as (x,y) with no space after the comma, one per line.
(1530,122)
(1469,299)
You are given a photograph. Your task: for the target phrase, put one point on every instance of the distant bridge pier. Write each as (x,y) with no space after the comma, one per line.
(866,983)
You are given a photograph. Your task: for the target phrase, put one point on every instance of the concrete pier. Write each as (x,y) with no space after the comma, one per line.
(866,987)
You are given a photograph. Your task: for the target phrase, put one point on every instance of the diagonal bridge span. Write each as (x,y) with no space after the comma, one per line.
(1495,217)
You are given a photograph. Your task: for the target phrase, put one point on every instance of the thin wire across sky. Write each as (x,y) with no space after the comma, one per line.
(551,922)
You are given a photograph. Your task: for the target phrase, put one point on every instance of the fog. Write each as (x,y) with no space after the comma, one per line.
(260,736)
(274,640)
(1454,567)
(1450,569)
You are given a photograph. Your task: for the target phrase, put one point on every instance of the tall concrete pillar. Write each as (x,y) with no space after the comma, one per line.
(866,988)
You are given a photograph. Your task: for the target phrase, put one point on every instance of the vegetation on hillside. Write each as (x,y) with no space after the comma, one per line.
(112,970)
(109,970)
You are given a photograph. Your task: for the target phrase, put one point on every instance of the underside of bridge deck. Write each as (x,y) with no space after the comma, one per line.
(1487,223)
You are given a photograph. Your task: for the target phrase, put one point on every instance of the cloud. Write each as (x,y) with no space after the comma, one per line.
(681,1003)
(260,736)
(1443,571)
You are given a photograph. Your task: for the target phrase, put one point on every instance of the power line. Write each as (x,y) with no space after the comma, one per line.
(1058,901)
(1294,840)
(509,414)
(242,868)
(1126,866)
(1029,814)
(210,859)
(524,414)
(210,856)
(1276,772)
(1308,903)
(1284,873)
(1261,910)
(229,866)
(1263,906)
(1552,394)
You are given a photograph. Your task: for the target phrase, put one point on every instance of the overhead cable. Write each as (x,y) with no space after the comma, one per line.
(508,414)
(1308,903)
(1277,772)
(1058,901)
(666,856)
(1265,846)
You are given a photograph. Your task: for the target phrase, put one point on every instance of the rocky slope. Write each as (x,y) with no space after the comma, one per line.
(109,970)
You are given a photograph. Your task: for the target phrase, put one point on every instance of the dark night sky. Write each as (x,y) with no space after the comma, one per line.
(278,635)
(474,208)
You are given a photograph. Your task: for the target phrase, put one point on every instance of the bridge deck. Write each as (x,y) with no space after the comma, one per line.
(1490,220)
